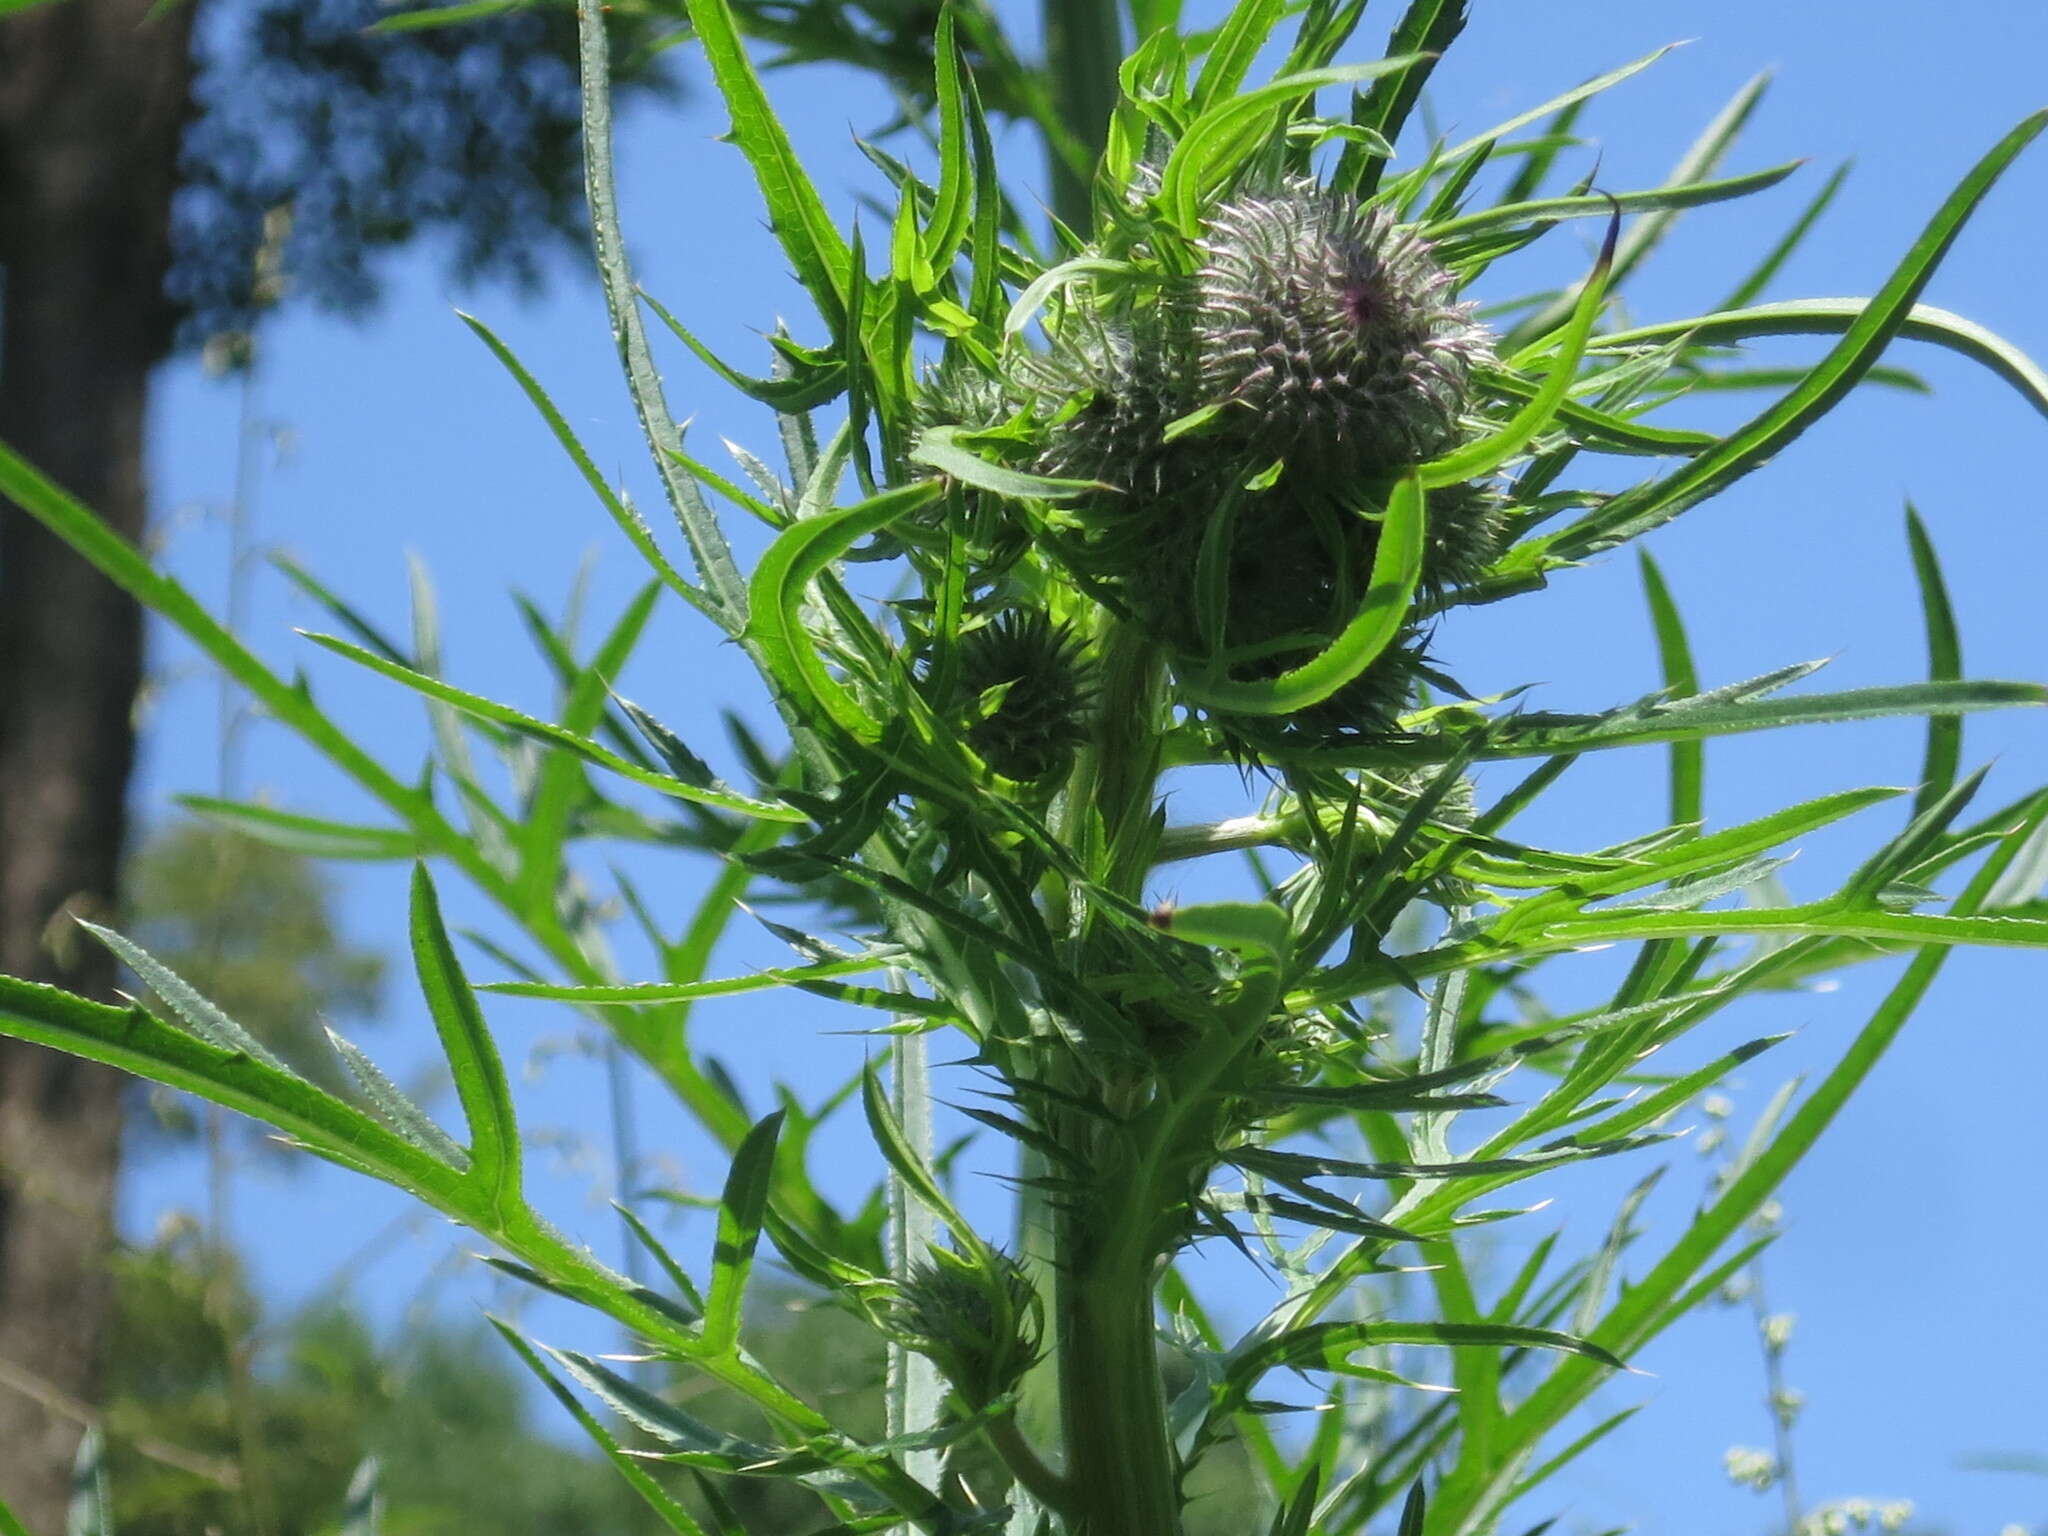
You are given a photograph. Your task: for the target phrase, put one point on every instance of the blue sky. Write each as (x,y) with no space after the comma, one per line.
(1912,1238)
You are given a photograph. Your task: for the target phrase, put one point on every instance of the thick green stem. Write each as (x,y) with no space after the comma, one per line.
(1120,1466)
(1121,1478)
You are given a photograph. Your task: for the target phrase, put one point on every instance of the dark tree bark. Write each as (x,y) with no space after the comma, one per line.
(92,95)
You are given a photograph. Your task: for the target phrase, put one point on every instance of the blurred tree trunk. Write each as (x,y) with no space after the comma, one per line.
(92,94)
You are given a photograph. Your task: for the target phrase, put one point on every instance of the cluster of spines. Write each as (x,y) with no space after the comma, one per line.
(1027,694)
(1333,329)
(1317,349)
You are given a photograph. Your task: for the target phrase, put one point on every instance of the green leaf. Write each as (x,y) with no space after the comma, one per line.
(204,1019)
(631,1468)
(797,558)
(952,208)
(1389,595)
(289,703)
(1698,162)
(1051,281)
(941,448)
(1247,927)
(1489,453)
(561,785)
(1760,276)
(1330,1345)
(1635,512)
(1536,114)
(1944,665)
(1238,41)
(137,1042)
(629,521)
(486,1096)
(1681,679)
(1426,29)
(1218,142)
(1650,1304)
(555,735)
(623,993)
(1834,317)
(795,211)
(902,1156)
(741,1209)
(806,390)
(1711,715)
(312,836)
(1651,200)
(445,16)
(9,1524)
(398,1110)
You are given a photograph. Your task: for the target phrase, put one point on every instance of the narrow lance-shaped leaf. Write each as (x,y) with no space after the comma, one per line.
(1655,201)
(1648,1305)
(1688,758)
(1425,30)
(472,1054)
(741,1209)
(1834,317)
(952,209)
(1213,149)
(1389,594)
(204,1018)
(632,1469)
(1635,512)
(903,1158)
(785,572)
(795,211)
(1944,664)
(1231,55)
(555,735)
(629,522)
(1490,453)
(315,837)
(404,1116)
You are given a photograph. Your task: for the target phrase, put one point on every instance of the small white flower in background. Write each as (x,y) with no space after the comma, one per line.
(1710,1143)
(1893,1515)
(1738,1289)
(1778,1330)
(1718,1105)
(2015,1530)
(1748,1466)
(1786,1402)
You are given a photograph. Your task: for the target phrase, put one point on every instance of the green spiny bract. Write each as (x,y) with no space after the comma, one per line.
(1259,408)
(1026,692)
(976,1316)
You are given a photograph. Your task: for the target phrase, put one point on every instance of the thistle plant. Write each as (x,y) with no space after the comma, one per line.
(1193,487)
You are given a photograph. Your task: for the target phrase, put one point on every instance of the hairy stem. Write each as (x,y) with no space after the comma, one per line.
(1119,1458)
(1120,1465)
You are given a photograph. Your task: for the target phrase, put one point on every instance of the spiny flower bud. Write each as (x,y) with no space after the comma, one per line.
(976,1316)
(959,392)
(1026,691)
(1333,329)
